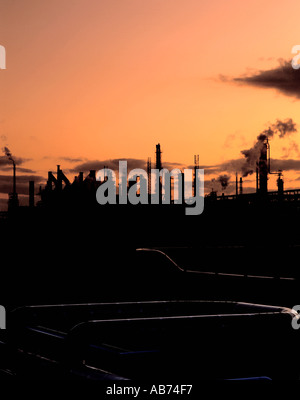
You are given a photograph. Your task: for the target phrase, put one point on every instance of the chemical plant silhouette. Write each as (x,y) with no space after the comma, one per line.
(237,217)
(59,191)
(113,292)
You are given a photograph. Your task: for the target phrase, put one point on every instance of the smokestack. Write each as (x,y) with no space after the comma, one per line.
(149,175)
(196,166)
(59,179)
(13,197)
(159,167)
(241,185)
(92,174)
(183,185)
(13,201)
(14,181)
(263,167)
(80,177)
(31,193)
(158,157)
(280,183)
(257,189)
(236,184)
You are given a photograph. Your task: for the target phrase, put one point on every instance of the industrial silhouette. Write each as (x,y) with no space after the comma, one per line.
(59,191)
(119,292)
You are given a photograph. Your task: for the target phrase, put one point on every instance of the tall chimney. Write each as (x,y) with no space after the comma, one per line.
(257,180)
(158,157)
(241,185)
(263,168)
(236,184)
(149,174)
(13,201)
(14,182)
(280,183)
(59,178)
(92,174)
(31,193)
(196,166)
(159,167)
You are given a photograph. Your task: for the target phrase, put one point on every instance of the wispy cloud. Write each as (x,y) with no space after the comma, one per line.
(22,182)
(73,159)
(235,165)
(19,169)
(5,161)
(113,164)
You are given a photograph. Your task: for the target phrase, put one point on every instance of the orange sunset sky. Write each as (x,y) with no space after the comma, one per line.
(88,81)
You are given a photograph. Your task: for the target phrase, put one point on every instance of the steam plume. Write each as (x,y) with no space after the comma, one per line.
(224,181)
(8,153)
(282,128)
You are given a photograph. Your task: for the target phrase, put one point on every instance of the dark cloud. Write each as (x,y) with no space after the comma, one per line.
(22,183)
(283,78)
(72,159)
(285,165)
(25,170)
(5,161)
(68,159)
(236,165)
(113,164)
(208,169)
(171,165)
(230,166)
(19,169)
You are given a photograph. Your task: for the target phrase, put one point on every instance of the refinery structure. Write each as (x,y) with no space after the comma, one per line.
(144,291)
(59,189)
(262,174)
